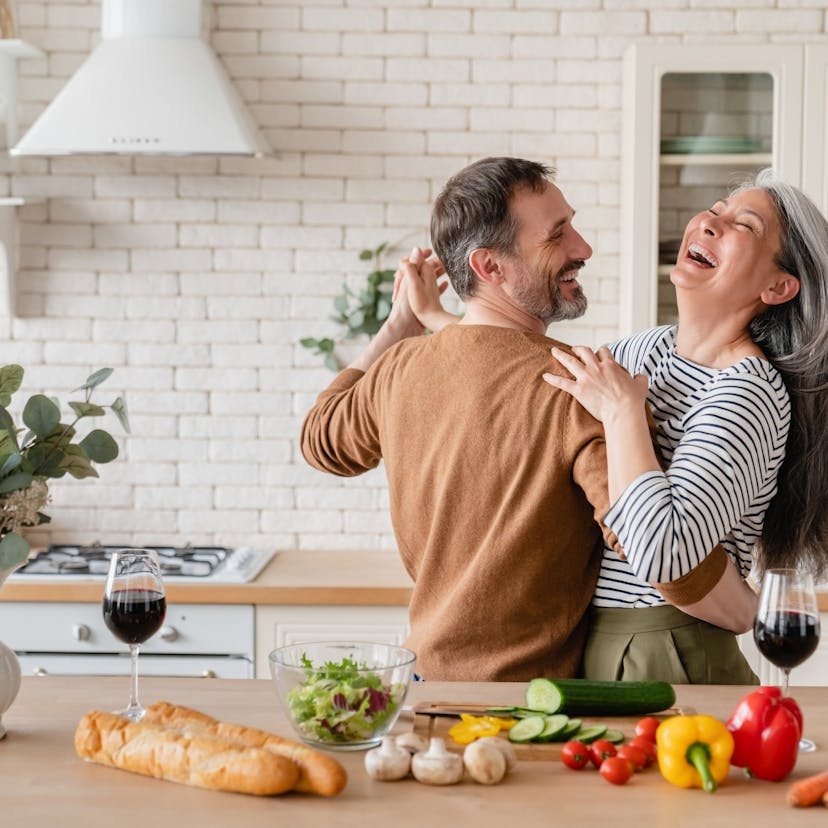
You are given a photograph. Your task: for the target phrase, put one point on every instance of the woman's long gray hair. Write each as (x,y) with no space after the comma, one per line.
(794,336)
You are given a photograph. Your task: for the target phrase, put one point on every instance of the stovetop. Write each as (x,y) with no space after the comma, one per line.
(194,564)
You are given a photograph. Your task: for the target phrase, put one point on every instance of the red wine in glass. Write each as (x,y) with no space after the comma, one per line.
(134,615)
(786,627)
(134,605)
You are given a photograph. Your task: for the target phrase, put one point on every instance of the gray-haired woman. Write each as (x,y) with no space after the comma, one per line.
(738,393)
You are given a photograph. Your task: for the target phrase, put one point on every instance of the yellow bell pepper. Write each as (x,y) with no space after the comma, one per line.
(471,727)
(694,751)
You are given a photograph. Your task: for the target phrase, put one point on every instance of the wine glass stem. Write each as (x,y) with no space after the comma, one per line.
(133,687)
(787,675)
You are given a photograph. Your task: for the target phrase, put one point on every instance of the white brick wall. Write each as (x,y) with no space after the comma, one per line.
(195,277)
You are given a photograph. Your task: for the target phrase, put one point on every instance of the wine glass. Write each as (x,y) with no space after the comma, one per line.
(134,605)
(786,629)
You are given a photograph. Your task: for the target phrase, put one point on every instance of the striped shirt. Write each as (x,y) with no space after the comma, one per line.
(723,433)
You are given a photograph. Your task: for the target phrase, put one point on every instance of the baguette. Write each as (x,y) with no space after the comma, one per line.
(318,773)
(202,761)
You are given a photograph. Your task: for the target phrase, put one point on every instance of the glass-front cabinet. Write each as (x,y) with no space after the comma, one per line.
(698,121)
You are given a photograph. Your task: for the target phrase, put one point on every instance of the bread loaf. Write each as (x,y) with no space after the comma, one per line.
(165,753)
(318,773)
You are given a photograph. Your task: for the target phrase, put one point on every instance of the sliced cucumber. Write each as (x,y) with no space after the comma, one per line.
(500,711)
(590,733)
(523,712)
(571,730)
(614,736)
(542,694)
(527,729)
(555,725)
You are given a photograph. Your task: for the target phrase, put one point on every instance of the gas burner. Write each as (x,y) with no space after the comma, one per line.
(185,563)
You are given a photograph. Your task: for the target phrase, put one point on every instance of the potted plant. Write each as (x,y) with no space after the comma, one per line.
(44,447)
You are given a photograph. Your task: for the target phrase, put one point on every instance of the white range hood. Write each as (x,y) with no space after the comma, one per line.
(152,86)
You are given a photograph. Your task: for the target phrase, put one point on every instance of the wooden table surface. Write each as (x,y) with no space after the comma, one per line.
(43,783)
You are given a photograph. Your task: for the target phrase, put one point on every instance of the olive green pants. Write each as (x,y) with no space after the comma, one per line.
(662,643)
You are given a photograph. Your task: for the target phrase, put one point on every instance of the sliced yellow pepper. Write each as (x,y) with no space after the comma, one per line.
(694,751)
(471,727)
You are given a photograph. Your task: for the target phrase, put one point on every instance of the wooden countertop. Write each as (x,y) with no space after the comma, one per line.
(42,781)
(371,578)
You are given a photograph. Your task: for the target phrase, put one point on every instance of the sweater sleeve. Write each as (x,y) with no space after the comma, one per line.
(733,444)
(340,434)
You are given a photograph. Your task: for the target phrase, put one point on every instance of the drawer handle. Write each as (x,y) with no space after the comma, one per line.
(80,632)
(168,633)
(40,671)
(208,674)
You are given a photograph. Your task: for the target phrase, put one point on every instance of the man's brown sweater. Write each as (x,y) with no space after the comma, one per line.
(496,483)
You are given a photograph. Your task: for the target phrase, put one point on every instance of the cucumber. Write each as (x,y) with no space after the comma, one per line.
(527,729)
(500,711)
(555,725)
(585,697)
(614,736)
(591,733)
(572,728)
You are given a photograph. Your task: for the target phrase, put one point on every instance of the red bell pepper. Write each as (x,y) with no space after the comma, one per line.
(766,727)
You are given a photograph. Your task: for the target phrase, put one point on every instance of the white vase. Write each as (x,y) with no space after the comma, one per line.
(9,669)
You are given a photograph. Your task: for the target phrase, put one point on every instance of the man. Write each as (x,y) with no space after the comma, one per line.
(496,485)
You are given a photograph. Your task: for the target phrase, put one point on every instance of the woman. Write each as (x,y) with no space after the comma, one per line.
(738,394)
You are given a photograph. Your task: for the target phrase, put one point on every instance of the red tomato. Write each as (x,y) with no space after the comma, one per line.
(649,748)
(600,750)
(616,770)
(575,754)
(633,754)
(647,727)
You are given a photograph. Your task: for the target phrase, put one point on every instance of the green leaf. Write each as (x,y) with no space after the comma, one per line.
(8,443)
(366,255)
(10,463)
(120,409)
(13,482)
(309,342)
(41,415)
(11,378)
(13,550)
(99,446)
(77,463)
(86,409)
(331,362)
(383,308)
(379,250)
(357,321)
(7,425)
(94,380)
(326,345)
(341,304)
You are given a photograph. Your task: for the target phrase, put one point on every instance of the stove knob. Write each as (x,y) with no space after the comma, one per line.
(80,632)
(168,633)
(208,674)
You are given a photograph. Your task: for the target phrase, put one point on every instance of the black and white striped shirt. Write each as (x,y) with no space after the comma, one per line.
(723,434)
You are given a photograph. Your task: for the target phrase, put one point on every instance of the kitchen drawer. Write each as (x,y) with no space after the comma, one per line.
(53,664)
(79,628)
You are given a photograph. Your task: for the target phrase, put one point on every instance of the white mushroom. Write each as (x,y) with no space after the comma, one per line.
(484,762)
(505,748)
(412,742)
(437,766)
(387,762)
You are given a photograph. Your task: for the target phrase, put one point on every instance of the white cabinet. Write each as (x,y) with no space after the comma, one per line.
(696,123)
(278,625)
(814,671)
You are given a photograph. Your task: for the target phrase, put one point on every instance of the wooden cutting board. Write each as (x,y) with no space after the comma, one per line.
(428,723)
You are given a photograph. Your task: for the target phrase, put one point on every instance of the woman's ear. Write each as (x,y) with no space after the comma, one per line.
(783,290)
(486,264)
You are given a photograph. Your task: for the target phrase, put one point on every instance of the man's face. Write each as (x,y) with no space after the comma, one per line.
(541,274)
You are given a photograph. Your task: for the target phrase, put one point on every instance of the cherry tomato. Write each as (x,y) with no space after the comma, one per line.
(575,754)
(647,727)
(600,750)
(633,754)
(616,770)
(649,748)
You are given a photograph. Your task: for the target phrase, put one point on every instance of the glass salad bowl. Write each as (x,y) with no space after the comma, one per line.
(340,695)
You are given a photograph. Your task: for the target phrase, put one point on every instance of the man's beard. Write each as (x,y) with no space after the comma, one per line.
(548,305)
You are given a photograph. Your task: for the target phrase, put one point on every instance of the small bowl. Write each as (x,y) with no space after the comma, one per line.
(339,695)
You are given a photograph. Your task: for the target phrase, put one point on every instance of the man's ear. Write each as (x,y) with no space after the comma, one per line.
(486,264)
(781,291)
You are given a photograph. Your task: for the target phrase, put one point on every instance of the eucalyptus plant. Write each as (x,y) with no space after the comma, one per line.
(358,313)
(45,448)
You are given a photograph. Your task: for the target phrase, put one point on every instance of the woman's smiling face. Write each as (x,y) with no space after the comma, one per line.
(730,250)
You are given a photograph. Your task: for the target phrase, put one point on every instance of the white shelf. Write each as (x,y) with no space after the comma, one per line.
(733,159)
(8,251)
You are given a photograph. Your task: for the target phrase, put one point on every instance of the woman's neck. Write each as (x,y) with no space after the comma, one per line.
(491,306)
(712,339)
